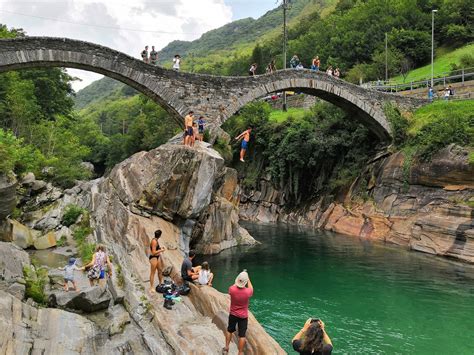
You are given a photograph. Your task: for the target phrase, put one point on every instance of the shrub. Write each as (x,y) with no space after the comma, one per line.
(86,250)
(71,214)
(398,123)
(36,280)
(224,149)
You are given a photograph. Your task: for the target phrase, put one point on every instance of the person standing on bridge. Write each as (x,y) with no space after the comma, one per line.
(337,73)
(245,136)
(153,56)
(253,69)
(176,62)
(315,64)
(145,54)
(189,132)
(294,61)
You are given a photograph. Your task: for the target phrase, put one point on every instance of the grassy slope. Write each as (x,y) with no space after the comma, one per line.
(280,116)
(439,110)
(442,64)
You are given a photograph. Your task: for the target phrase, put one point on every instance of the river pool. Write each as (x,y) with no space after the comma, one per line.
(374,298)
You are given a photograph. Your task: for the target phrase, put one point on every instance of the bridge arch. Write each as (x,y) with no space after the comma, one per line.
(218,98)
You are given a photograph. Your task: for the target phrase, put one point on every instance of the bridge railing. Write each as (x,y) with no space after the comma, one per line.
(456,76)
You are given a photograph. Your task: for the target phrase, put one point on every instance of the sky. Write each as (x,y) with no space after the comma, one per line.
(125,25)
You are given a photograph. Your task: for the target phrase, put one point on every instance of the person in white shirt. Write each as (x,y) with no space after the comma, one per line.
(176,62)
(205,275)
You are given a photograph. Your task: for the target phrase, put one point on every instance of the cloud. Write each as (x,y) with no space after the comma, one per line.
(156,22)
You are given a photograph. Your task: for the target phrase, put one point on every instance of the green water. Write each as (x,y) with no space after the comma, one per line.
(374,299)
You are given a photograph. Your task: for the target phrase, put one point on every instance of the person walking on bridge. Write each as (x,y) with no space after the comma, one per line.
(188,126)
(245,136)
(153,56)
(145,55)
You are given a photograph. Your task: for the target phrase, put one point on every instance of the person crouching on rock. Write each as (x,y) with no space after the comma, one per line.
(312,339)
(205,275)
(188,272)
(240,294)
(96,273)
(156,263)
(69,274)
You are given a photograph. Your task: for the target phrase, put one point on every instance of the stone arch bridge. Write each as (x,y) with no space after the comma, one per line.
(218,98)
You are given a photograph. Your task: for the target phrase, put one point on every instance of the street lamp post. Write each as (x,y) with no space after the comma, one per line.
(285,35)
(432,45)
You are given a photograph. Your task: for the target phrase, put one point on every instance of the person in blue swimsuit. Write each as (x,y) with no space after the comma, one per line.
(245,136)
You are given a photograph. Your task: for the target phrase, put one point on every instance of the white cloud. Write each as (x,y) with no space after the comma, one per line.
(159,22)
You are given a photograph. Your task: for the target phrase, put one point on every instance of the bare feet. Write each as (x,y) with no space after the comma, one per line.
(151,291)
(225,351)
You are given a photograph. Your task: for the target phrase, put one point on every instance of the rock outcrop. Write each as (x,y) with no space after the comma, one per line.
(169,188)
(424,208)
(12,262)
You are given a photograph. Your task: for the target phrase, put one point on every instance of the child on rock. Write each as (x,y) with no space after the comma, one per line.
(69,274)
(205,275)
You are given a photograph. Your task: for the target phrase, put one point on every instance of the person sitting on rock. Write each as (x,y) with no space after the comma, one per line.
(96,273)
(312,339)
(188,272)
(69,274)
(205,275)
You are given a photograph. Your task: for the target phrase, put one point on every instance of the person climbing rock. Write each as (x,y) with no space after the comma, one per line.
(240,294)
(205,275)
(312,339)
(245,136)
(153,56)
(145,54)
(189,132)
(69,274)
(97,266)
(156,262)
(188,272)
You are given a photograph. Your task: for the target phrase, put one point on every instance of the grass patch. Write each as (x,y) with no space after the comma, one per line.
(440,110)
(36,280)
(80,234)
(471,158)
(442,64)
(71,214)
(62,241)
(281,116)
(120,277)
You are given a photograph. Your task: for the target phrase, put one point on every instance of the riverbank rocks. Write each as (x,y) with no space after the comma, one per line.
(90,300)
(46,241)
(12,262)
(425,209)
(23,236)
(7,195)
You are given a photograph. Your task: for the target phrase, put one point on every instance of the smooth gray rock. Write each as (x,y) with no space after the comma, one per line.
(89,300)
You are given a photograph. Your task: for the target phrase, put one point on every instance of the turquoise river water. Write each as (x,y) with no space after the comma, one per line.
(374,299)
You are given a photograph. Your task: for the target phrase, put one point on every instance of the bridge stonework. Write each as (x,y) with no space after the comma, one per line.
(217,98)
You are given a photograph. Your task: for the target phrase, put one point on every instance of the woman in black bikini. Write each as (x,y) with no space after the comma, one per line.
(156,264)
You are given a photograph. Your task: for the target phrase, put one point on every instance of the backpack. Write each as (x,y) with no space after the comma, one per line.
(166,287)
(94,272)
(184,290)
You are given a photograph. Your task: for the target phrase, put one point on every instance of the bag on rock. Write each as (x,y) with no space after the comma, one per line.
(165,287)
(184,290)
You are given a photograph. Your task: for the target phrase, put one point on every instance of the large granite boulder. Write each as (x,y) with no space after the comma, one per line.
(89,300)
(7,195)
(23,236)
(12,261)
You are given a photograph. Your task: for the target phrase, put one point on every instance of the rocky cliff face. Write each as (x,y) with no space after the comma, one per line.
(192,198)
(425,208)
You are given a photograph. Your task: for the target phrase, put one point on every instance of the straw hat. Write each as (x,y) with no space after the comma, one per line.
(242,279)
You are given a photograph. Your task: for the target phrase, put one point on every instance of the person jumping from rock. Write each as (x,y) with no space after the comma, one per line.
(245,142)
(145,55)
(69,274)
(240,294)
(156,263)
